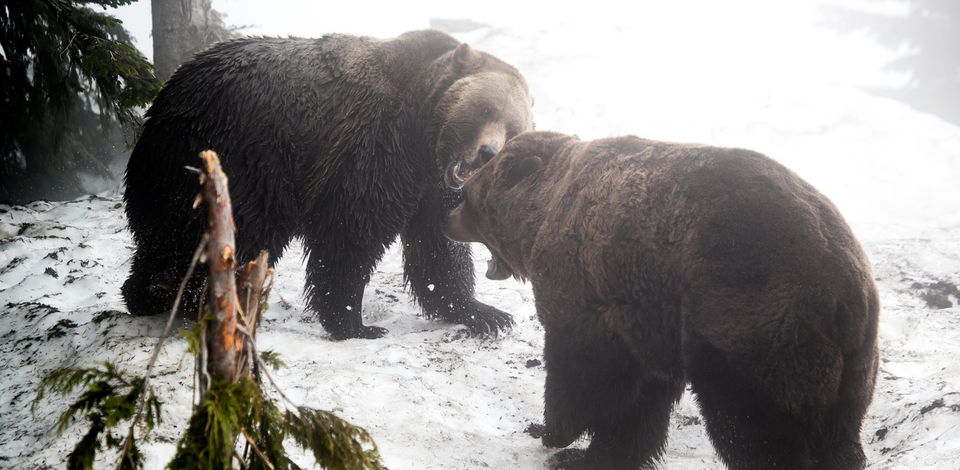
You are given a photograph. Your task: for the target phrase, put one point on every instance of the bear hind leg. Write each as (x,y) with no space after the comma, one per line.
(839,446)
(336,277)
(745,440)
(747,430)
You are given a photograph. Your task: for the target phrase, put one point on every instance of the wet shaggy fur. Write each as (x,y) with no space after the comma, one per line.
(656,264)
(342,141)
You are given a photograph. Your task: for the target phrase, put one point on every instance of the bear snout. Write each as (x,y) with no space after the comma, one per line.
(459,228)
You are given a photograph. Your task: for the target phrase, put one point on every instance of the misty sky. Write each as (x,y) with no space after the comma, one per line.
(776,41)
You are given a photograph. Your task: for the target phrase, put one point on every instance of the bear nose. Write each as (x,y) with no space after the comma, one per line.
(486,153)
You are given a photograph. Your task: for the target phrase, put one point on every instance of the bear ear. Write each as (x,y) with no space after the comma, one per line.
(465,58)
(525,168)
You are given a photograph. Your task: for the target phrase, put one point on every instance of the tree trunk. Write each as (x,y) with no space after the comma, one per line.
(176,26)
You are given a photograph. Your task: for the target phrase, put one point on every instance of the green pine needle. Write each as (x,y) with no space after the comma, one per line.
(335,443)
(108,399)
(272,359)
(209,440)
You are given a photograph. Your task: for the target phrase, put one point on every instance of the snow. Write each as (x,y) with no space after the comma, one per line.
(435,398)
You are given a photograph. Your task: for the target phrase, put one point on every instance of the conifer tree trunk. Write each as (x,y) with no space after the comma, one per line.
(175,32)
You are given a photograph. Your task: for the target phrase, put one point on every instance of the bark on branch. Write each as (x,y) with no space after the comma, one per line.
(222,304)
(227,299)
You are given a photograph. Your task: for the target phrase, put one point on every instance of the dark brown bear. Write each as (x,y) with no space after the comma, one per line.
(342,141)
(654,264)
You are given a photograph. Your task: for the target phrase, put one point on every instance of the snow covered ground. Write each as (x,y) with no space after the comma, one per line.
(433,398)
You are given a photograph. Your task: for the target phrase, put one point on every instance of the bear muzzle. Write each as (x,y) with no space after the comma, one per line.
(497,271)
(460,227)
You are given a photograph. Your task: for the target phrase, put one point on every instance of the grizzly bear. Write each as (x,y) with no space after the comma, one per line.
(342,141)
(654,265)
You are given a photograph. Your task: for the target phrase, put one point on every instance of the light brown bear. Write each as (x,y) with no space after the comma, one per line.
(656,264)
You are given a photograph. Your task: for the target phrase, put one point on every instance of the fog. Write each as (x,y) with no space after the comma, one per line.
(772,43)
(755,74)
(768,76)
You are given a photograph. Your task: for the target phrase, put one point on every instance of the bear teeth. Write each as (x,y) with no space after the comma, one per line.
(453,176)
(461,174)
(458,174)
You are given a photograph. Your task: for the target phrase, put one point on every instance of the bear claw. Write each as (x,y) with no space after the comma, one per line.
(484,320)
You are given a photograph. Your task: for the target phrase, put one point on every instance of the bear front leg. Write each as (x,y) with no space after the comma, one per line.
(440,274)
(335,283)
(595,385)
(565,396)
(160,263)
(631,435)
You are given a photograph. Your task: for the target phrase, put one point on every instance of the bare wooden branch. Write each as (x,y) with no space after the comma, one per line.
(250,291)
(240,460)
(256,450)
(223,342)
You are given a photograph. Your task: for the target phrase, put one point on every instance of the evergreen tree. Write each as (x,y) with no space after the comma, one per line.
(71,83)
(931,31)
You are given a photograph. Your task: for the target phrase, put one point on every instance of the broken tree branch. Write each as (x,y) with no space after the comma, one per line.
(222,305)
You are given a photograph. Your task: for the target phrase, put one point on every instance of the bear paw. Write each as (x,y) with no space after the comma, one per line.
(550,439)
(568,459)
(364,332)
(485,320)
(535,430)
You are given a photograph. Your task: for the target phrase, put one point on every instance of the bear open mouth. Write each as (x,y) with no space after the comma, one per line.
(458,173)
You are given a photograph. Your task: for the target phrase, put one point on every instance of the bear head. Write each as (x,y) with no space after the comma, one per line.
(486,105)
(503,203)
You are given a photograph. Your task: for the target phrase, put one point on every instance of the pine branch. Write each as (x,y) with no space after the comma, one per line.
(110,398)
